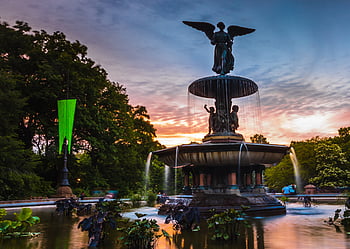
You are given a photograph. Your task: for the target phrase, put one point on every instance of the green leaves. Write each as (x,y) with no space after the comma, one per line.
(142,234)
(24,215)
(332,166)
(259,138)
(18,227)
(226,225)
(4,225)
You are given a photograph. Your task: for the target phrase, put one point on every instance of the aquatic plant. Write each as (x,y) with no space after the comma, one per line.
(18,227)
(102,221)
(183,217)
(226,225)
(114,208)
(346,219)
(284,200)
(142,233)
(340,220)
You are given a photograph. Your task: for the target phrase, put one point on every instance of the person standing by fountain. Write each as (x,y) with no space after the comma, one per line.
(286,190)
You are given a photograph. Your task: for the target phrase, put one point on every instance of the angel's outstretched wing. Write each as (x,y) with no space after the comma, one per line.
(237,30)
(206,27)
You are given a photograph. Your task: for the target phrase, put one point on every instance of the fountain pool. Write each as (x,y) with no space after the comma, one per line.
(300,228)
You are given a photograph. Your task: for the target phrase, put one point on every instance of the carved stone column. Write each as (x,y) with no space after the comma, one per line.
(232,183)
(202,180)
(186,179)
(259,187)
(248,178)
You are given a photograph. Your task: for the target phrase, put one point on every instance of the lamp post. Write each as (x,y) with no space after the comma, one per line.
(66,110)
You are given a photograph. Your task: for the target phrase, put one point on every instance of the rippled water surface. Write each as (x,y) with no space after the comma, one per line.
(300,228)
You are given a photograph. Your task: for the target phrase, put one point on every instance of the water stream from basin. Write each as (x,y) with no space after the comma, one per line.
(243,144)
(175,169)
(296,167)
(147,168)
(166,179)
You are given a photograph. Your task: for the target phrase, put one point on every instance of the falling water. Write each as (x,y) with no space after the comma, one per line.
(296,166)
(257,116)
(243,144)
(239,165)
(166,178)
(147,167)
(175,169)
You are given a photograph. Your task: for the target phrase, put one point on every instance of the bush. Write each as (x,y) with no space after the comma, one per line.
(136,200)
(151,198)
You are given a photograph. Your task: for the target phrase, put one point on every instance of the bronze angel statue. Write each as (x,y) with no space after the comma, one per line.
(223,58)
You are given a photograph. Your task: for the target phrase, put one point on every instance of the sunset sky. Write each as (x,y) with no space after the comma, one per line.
(299,56)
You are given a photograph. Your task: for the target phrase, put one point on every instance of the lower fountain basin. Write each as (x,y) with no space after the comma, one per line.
(222,154)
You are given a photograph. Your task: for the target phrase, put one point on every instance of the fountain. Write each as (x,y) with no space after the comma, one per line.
(226,171)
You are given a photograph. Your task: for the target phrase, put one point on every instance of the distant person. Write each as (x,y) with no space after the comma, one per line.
(307,201)
(163,198)
(286,190)
(82,196)
(292,189)
(159,195)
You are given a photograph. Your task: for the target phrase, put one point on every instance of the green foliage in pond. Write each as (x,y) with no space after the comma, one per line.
(226,225)
(19,226)
(142,233)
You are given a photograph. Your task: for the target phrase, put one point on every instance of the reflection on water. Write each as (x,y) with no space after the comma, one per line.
(251,237)
(300,228)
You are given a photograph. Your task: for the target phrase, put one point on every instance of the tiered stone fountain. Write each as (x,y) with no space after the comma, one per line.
(225,171)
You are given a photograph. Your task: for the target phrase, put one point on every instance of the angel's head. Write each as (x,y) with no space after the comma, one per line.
(221,25)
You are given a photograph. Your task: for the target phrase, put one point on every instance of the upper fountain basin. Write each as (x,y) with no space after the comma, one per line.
(222,154)
(223,86)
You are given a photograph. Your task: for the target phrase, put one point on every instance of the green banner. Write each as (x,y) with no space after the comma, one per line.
(66,110)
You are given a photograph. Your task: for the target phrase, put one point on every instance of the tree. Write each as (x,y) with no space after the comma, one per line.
(111,138)
(259,138)
(17,164)
(332,166)
(283,174)
(344,132)
(278,176)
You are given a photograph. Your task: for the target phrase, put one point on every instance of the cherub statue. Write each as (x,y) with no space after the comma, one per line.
(212,118)
(234,118)
(223,58)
